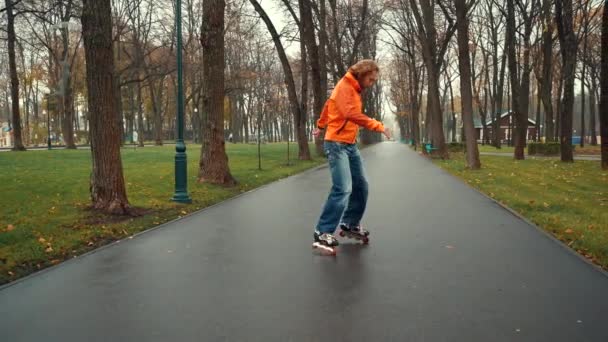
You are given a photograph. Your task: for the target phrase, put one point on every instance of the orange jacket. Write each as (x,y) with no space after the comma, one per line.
(343,113)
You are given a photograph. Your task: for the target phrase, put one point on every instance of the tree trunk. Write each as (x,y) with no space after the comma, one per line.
(537,133)
(68,120)
(108,193)
(604,88)
(435,117)
(140,116)
(158,118)
(558,106)
(513,72)
(464,66)
(592,107)
(567,38)
(308,36)
(547,74)
(499,102)
(12,64)
(583,135)
(213,165)
(67,96)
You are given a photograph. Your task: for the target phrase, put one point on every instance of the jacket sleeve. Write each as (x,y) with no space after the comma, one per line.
(347,104)
(322,122)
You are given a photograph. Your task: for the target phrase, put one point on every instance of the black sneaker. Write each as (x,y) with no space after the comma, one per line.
(354,230)
(357,233)
(325,242)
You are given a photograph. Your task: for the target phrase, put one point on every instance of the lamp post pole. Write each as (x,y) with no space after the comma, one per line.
(181,165)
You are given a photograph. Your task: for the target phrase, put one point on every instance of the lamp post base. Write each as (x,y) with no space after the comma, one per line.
(181,174)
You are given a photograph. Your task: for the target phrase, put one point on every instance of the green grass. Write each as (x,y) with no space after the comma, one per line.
(503,149)
(44,198)
(568,200)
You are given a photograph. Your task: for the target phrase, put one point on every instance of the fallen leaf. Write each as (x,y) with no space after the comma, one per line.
(531,201)
(11,273)
(10,227)
(184,212)
(569,231)
(41,240)
(90,243)
(49,249)
(546,205)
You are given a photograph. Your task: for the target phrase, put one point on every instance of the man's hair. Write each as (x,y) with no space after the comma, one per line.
(363,67)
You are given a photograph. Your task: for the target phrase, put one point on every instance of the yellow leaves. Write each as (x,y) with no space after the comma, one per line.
(546,205)
(183,212)
(10,227)
(569,231)
(49,249)
(41,240)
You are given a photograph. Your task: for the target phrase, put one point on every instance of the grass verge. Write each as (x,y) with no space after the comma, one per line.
(44,197)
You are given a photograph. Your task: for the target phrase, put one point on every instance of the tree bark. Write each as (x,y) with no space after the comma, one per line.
(319,94)
(511,55)
(68,92)
(108,193)
(12,64)
(432,52)
(567,38)
(158,117)
(537,133)
(592,108)
(586,25)
(213,165)
(547,74)
(464,66)
(604,88)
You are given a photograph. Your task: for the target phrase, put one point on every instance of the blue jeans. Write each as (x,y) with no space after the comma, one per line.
(348,196)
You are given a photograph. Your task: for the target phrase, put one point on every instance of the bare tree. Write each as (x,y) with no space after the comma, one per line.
(604,88)
(564,18)
(12,64)
(434,47)
(464,65)
(296,106)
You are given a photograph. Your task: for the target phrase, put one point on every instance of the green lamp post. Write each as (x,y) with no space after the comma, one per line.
(181,165)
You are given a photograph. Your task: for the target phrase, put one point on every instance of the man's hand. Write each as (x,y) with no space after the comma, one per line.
(316,132)
(387,133)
